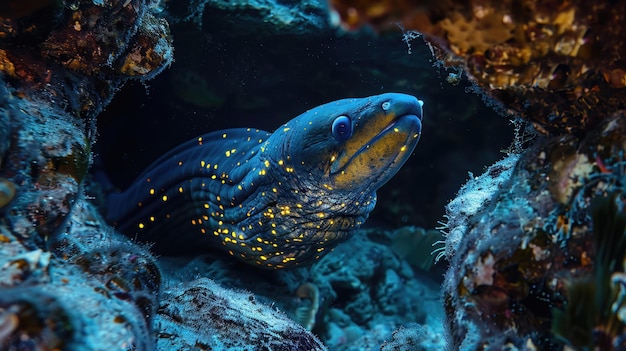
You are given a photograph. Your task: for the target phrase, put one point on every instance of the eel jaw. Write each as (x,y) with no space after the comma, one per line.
(373,163)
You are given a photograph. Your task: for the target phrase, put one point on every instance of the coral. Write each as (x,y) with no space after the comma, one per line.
(151,52)
(529,250)
(8,324)
(14,9)
(67,281)
(473,196)
(591,315)
(527,268)
(48,300)
(82,47)
(370,293)
(361,298)
(55,90)
(557,64)
(26,267)
(79,284)
(48,170)
(36,321)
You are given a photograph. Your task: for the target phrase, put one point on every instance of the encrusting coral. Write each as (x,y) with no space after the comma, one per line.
(558,64)
(57,71)
(85,51)
(519,260)
(88,280)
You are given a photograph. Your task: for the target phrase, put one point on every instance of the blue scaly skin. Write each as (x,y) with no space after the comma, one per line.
(276,200)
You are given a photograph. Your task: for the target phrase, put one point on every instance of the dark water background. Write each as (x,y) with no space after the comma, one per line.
(225,77)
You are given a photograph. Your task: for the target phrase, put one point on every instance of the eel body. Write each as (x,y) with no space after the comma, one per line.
(276,200)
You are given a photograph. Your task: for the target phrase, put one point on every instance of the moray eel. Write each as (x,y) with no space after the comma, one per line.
(276,200)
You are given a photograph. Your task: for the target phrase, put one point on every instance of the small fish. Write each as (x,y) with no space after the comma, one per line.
(276,200)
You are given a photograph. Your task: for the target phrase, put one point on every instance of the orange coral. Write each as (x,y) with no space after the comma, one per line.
(558,64)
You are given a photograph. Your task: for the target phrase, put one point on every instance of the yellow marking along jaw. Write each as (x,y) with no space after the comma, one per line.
(378,148)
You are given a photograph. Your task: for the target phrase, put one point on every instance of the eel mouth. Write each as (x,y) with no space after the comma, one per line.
(377,159)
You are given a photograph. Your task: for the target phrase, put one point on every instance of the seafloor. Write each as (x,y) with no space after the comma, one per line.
(505,229)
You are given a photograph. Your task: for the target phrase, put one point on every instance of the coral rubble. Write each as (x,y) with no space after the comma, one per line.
(201,314)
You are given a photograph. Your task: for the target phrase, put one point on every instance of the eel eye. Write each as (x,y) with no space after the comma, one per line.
(342,128)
